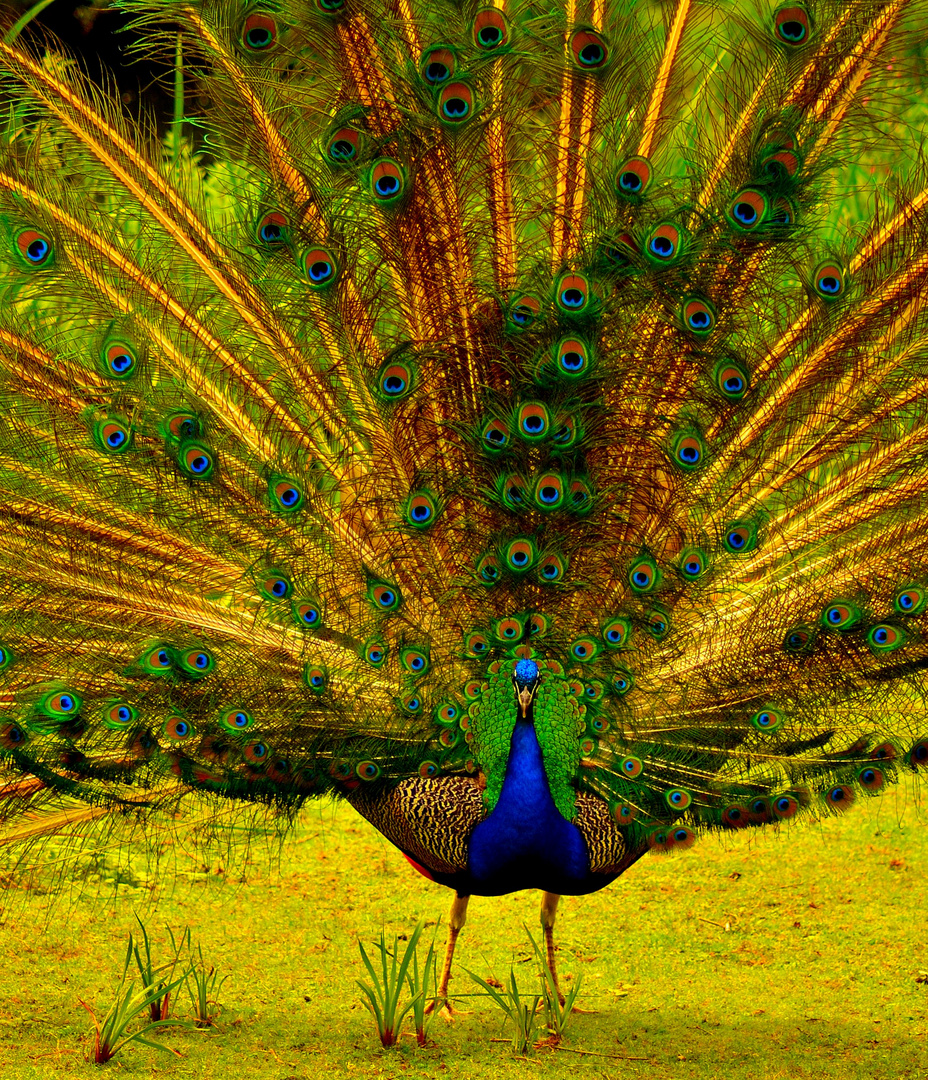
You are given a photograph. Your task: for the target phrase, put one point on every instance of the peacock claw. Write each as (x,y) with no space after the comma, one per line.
(446,1012)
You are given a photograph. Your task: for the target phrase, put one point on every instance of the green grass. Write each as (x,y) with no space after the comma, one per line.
(817,975)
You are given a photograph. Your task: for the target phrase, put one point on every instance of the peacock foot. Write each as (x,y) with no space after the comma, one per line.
(446,1011)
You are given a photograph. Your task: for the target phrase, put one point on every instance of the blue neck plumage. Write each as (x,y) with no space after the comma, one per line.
(526,843)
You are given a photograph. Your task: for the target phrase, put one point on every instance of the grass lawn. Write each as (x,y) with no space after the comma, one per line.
(764,956)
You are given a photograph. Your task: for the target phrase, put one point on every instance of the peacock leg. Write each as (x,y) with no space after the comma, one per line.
(456,919)
(549,902)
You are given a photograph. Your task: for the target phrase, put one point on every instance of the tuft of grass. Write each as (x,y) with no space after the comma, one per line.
(383,993)
(150,974)
(521,1011)
(557,1016)
(111,1033)
(202,986)
(422,988)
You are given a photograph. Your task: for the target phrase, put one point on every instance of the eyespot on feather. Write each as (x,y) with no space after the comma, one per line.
(792,25)
(196,663)
(319,268)
(236,721)
(885,638)
(118,359)
(665,244)
(747,210)
(732,380)
(273,230)
(490,30)
(343,146)
(548,493)
(910,600)
(840,615)
(414,661)
(643,575)
(34,249)
(740,537)
(315,677)
(113,436)
(533,421)
(387,182)
(523,311)
(488,569)
(438,65)
(259,32)
(395,380)
(633,177)
(375,653)
(828,281)
(307,612)
(421,510)
(688,451)
(196,461)
(286,495)
(552,568)
(572,293)
(520,555)
(456,103)
(588,50)
(177,729)
(698,316)
(572,358)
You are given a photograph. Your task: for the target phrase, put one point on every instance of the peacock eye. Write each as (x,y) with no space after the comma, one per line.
(259,32)
(490,29)
(286,495)
(588,50)
(633,176)
(456,103)
(584,649)
(664,243)
(119,360)
(414,661)
(175,727)
(533,420)
(385,597)
(791,24)
(523,311)
(236,720)
(438,65)
(573,293)
(447,713)
(308,613)
(698,316)
(731,380)
(828,281)
(34,248)
(767,720)
(196,461)
(375,653)
(320,267)
(748,209)
(343,146)
(316,677)
(387,182)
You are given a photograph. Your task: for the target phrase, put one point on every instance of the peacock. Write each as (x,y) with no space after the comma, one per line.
(476,412)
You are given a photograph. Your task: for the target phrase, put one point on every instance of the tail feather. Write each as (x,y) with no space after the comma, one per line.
(438,366)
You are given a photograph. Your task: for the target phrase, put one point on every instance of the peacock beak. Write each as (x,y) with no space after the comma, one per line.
(526,695)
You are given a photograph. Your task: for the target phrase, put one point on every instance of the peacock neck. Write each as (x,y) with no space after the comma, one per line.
(526,842)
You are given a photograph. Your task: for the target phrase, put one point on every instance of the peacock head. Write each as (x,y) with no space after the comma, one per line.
(525,686)
(525,679)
